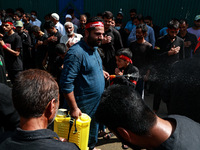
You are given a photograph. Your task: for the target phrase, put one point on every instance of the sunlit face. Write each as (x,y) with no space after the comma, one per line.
(94,37)
(69,29)
(16,18)
(83,20)
(183,27)
(121,63)
(7,27)
(107,23)
(172,33)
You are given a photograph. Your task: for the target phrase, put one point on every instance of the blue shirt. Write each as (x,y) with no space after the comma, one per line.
(129,26)
(149,38)
(83,74)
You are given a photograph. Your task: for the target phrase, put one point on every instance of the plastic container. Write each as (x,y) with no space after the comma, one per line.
(79,132)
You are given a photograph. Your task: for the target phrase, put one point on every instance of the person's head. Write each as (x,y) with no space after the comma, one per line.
(68,18)
(138,19)
(26,17)
(54,18)
(36,31)
(173,28)
(19,26)
(17,16)
(100,15)
(83,20)
(50,27)
(33,15)
(123,58)
(35,94)
(197,21)
(120,14)
(183,25)
(107,18)
(123,111)
(69,28)
(47,17)
(148,20)
(61,50)
(132,13)
(118,24)
(21,10)
(141,31)
(7,24)
(94,30)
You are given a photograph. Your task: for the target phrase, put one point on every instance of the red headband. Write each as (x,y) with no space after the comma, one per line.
(94,24)
(8,23)
(125,58)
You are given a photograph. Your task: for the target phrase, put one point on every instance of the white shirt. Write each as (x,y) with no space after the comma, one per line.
(36,22)
(64,39)
(60,28)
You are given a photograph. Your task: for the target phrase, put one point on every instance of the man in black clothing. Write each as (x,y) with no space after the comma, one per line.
(124,112)
(26,44)
(168,50)
(37,110)
(81,29)
(190,40)
(40,49)
(111,43)
(12,47)
(51,42)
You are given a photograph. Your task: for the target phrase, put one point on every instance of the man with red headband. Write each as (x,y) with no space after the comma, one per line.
(82,78)
(12,47)
(168,49)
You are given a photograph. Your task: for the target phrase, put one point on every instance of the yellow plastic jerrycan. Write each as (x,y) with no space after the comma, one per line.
(75,131)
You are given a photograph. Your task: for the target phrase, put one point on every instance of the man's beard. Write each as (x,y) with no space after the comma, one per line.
(93,42)
(71,33)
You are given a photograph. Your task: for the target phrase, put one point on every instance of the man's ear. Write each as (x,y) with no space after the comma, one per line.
(50,108)
(124,134)
(86,33)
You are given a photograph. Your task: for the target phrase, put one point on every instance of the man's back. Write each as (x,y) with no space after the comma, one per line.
(38,139)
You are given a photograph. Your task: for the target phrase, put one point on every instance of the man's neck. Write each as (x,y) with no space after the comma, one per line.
(161,131)
(71,36)
(33,123)
(140,41)
(10,32)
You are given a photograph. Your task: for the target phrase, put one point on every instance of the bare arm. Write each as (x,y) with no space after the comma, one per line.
(15,53)
(75,112)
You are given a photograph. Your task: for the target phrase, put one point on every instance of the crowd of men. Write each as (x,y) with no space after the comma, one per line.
(81,54)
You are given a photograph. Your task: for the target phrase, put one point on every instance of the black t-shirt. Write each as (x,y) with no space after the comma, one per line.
(186,135)
(142,55)
(14,42)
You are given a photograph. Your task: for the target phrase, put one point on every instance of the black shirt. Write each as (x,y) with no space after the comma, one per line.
(110,49)
(43,139)
(189,48)
(14,42)
(142,55)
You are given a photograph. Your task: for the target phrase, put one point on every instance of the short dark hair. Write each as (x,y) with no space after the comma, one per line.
(32,91)
(122,106)
(173,24)
(35,29)
(143,27)
(48,25)
(7,19)
(61,48)
(148,18)
(139,17)
(182,21)
(133,10)
(19,14)
(33,11)
(108,15)
(93,19)
(124,51)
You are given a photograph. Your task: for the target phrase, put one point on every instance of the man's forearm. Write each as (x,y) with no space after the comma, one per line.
(71,100)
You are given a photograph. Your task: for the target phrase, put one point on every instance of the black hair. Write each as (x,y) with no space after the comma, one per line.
(182,21)
(7,19)
(148,18)
(61,48)
(143,27)
(48,25)
(33,11)
(32,91)
(173,24)
(93,19)
(19,14)
(21,10)
(108,15)
(35,29)
(122,106)
(139,17)
(133,10)
(124,51)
